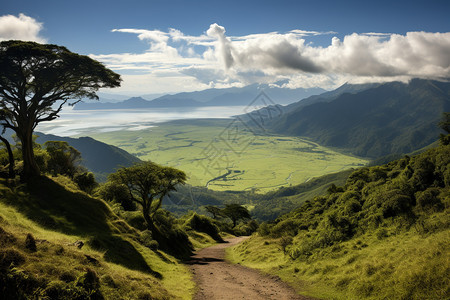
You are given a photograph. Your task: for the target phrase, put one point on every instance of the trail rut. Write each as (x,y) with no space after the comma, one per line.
(218,279)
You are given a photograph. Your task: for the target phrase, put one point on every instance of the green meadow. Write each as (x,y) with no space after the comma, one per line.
(226,155)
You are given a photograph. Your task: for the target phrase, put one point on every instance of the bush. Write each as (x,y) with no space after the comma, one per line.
(203,224)
(285,241)
(116,192)
(429,199)
(86,182)
(147,240)
(246,228)
(396,203)
(264,229)
(170,236)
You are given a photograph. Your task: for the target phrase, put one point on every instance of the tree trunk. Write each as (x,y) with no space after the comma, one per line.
(10,157)
(30,168)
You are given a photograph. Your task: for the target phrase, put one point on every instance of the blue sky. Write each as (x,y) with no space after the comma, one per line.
(172,46)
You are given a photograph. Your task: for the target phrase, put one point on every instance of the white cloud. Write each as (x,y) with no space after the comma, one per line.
(223,46)
(20,28)
(215,59)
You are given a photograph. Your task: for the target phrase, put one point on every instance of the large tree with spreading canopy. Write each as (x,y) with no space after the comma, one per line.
(148,183)
(37,80)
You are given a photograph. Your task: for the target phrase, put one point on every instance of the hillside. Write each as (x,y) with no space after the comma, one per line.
(382,235)
(385,119)
(116,261)
(100,158)
(330,95)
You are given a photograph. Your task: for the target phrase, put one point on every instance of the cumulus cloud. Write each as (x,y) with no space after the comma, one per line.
(416,54)
(215,59)
(223,44)
(20,28)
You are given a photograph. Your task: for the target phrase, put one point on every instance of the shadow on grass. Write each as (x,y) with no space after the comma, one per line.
(54,207)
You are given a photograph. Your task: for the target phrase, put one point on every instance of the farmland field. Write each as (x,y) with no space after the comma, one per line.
(223,155)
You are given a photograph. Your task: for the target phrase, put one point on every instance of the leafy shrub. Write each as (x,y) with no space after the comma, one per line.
(396,203)
(286,227)
(116,192)
(429,199)
(170,236)
(86,181)
(264,229)
(203,224)
(285,241)
(147,240)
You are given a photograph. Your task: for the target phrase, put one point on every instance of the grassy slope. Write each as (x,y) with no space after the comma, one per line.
(208,149)
(384,235)
(60,215)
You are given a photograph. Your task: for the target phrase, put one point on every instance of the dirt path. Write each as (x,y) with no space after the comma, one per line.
(218,279)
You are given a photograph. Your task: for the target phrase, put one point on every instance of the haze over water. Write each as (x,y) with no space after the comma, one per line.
(76,122)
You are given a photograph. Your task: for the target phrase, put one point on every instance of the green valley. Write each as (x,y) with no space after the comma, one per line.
(221,156)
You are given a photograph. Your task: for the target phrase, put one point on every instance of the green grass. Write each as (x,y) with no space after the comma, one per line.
(383,235)
(406,266)
(61,215)
(225,157)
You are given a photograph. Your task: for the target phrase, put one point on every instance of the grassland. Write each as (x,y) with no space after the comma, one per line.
(405,266)
(224,155)
(57,216)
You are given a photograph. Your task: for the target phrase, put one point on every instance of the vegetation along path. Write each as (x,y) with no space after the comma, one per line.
(218,279)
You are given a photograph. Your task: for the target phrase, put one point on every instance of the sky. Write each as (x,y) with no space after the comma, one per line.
(179,46)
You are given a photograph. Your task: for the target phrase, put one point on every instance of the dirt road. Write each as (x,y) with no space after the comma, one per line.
(217,279)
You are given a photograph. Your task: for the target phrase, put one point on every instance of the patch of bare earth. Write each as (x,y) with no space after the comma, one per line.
(219,279)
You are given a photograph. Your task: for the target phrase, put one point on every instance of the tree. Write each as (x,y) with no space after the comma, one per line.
(445,125)
(86,181)
(148,183)
(236,212)
(445,122)
(119,193)
(36,81)
(11,172)
(214,211)
(64,159)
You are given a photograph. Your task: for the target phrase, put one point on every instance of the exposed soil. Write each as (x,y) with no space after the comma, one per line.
(219,279)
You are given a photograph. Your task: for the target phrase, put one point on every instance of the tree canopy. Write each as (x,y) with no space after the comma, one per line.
(37,80)
(236,212)
(63,158)
(148,183)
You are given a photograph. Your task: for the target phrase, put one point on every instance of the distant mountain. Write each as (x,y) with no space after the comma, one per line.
(210,97)
(98,157)
(384,119)
(331,95)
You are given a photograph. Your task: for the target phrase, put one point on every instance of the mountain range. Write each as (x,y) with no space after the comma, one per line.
(370,120)
(210,97)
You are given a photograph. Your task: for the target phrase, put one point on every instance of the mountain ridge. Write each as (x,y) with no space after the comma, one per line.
(388,118)
(210,97)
